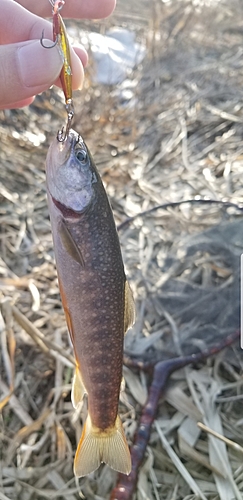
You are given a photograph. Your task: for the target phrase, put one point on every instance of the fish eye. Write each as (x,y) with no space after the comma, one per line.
(81,156)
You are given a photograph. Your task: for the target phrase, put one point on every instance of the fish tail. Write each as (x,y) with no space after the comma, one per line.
(97,446)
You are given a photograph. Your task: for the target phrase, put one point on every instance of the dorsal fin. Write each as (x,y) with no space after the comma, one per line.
(69,243)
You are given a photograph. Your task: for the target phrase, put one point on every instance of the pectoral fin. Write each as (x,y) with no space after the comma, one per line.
(78,389)
(130,312)
(69,243)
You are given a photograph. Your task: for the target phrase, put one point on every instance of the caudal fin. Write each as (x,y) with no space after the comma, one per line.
(97,446)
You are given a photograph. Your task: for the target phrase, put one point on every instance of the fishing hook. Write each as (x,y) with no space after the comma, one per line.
(63,134)
(47,46)
(56,8)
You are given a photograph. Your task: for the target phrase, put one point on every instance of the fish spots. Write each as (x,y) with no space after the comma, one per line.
(100,353)
(96,299)
(98,370)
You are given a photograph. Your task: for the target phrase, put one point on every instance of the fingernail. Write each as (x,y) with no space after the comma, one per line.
(38,65)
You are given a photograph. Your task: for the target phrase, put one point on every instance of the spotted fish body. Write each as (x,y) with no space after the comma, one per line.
(96,298)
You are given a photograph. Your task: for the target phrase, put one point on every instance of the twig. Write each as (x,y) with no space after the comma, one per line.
(126,484)
(47,346)
(227,441)
(194,201)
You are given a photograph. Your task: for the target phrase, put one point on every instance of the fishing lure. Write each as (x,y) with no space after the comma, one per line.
(60,38)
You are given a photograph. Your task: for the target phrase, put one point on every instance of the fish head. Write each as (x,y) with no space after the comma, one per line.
(69,173)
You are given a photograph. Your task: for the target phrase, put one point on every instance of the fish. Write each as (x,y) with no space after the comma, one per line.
(96,298)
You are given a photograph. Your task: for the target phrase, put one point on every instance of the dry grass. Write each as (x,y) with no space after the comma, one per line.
(179,138)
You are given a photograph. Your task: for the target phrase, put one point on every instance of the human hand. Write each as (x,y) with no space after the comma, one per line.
(27,68)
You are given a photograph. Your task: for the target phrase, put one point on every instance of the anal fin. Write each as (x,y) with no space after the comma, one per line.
(78,389)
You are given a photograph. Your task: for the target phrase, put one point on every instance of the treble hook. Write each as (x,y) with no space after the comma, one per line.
(61,134)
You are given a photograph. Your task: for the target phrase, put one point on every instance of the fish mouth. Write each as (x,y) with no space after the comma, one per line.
(77,143)
(75,139)
(70,143)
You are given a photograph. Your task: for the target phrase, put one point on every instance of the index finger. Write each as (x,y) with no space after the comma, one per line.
(76,9)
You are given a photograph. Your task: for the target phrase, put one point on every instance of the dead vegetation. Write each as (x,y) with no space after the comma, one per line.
(178,138)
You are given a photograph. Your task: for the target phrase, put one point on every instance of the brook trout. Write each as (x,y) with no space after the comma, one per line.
(96,298)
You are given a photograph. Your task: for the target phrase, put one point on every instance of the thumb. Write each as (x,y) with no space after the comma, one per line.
(27,69)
